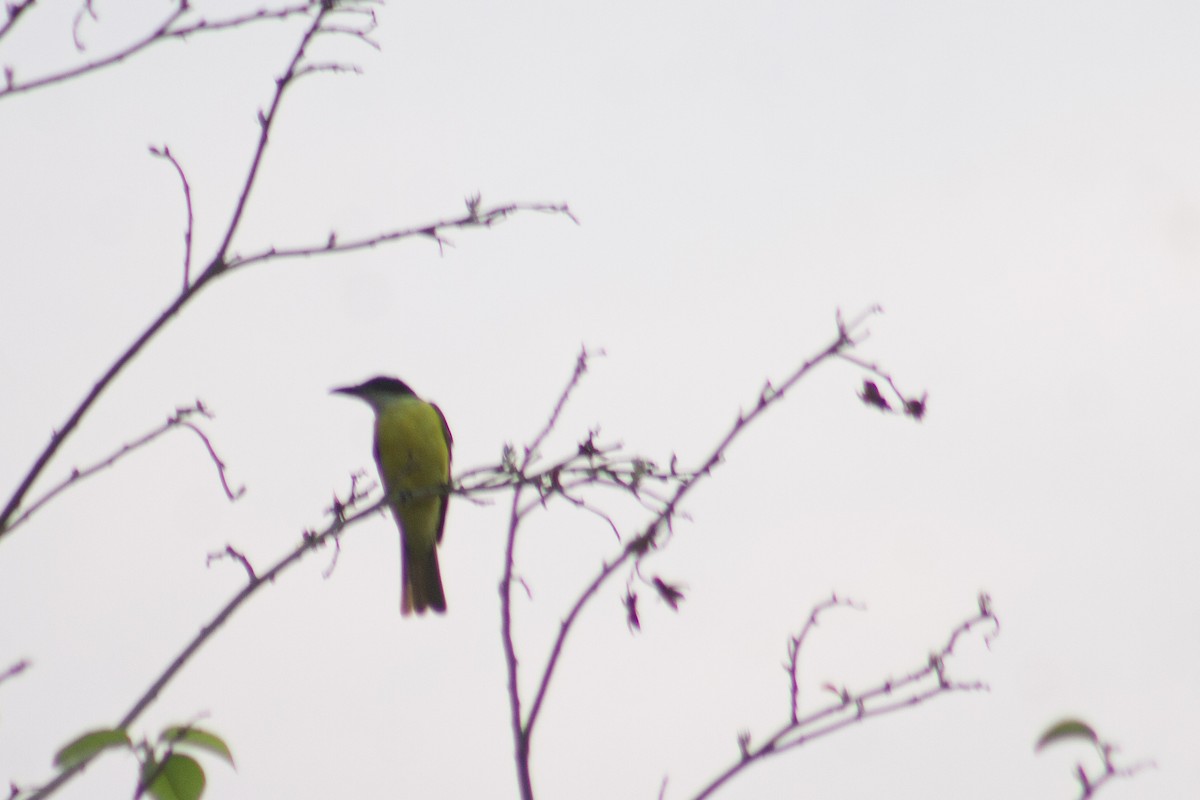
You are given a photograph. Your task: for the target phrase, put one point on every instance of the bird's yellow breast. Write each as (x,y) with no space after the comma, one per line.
(411,446)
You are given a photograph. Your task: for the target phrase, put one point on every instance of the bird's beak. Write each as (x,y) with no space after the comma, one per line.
(350,390)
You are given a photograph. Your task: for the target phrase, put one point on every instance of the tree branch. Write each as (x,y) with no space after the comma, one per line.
(165,31)
(474,218)
(14,10)
(852,708)
(649,537)
(177,420)
(521,731)
(165,152)
(255,582)
(221,263)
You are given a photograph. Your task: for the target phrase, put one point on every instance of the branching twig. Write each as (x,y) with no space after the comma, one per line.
(14,12)
(165,152)
(168,29)
(796,643)
(648,538)
(177,420)
(266,121)
(14,670)
(232,494)
(519,728)
(311,541)
(474,218)
(590,467)
(1090,785)
(237,555)
(220,263)
(851,708)
(214,269)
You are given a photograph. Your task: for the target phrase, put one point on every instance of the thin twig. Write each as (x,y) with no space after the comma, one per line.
(1090,785)
(216,266)
(165,31)
(165,152)
(519,729)
(14,87)
(853,708)
(485,219)
(648,539)
(796,643)
(214,269)
(177,420)
(14,670)
(266,121)
(254,583)
(15,10)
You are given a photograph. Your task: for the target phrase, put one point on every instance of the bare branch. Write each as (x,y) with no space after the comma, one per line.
(1090,786)
(177,420)
(220,263)
(334,68)
(214,269)
(310,542)
(164,31)
(14,11)
(207,26)
(12,86)
(86,9)
(521,730)
(236,555)
(851,708)
(14,670)
(434,230)
(165,152)
(650,535)
(797,642)
(1089,783)
(232,494)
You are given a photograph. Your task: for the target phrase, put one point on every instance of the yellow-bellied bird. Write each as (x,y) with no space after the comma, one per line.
(412,449)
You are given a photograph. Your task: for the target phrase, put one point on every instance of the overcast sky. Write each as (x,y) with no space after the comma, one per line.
(1017,184)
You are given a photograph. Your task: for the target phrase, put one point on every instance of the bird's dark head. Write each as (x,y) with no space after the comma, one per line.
(377,391)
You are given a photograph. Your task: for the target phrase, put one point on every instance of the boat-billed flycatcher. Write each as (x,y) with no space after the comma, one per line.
(412,450)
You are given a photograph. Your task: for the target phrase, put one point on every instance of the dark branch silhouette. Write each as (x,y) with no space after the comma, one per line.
(563,477)
(14,12)
(255,581)
(221,262)
(180,419)
(891,695)
(165,152)
(171,27)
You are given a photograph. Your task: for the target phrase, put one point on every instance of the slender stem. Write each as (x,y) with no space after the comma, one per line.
(73,421)
(15,10)
(648,538)
(265,122)
(157,34)
(254,583)
(215,267)
(520,734)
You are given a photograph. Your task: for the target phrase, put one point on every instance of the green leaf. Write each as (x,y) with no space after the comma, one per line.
(197,737)
(179,778)
(90,744)
(1067,729)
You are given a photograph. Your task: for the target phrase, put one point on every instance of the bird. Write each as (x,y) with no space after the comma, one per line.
(412,450)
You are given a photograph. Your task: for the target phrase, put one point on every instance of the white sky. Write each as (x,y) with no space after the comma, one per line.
(1018,184)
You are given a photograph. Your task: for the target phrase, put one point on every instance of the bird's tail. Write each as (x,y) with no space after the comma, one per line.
(420,582)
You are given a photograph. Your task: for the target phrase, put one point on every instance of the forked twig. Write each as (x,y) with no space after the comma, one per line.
(177,420)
